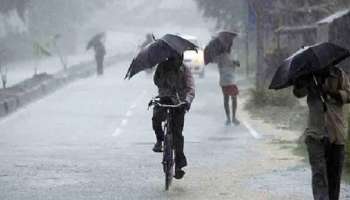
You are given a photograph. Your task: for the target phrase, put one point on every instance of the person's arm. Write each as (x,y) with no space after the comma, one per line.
(156,76)
(343,93)
(300,88)
(300,92)
(190,86)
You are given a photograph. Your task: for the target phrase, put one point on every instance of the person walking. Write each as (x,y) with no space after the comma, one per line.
(97,42)
(326,93)
(227,70)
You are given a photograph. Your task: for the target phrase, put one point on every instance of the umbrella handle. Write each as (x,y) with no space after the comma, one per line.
(154,37)
(325,108)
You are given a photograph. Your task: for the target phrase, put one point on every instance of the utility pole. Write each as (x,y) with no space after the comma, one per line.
(247,53)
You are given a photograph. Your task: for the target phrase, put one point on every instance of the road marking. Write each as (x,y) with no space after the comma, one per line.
(117,132)
(124,122)
(252,131)
(129,114)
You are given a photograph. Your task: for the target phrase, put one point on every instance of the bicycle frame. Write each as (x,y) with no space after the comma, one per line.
(168,152)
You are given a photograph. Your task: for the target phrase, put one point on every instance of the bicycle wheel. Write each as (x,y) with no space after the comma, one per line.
(168,160)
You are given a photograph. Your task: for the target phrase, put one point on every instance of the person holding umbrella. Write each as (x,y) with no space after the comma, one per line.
(97,42)
(175,83)
(313,73)
(218,51)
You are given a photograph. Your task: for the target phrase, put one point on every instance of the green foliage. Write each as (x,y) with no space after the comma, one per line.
(47,17)
(280,108)
(41,50)
(19,5)
(226,12)
(265,97)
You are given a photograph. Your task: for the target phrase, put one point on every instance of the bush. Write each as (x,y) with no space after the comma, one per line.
(265,97)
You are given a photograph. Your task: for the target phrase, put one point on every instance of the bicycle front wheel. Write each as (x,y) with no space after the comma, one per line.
(168,161)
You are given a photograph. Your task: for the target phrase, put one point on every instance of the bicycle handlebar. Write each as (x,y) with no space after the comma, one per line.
(156,102)
(169,106)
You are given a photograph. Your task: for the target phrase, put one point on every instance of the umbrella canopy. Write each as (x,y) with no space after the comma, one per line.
(178,43)
(227,37)
(157,52)
(307,61)
(97,38)
(220,44)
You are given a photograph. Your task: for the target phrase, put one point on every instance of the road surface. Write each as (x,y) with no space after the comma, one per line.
(93,139)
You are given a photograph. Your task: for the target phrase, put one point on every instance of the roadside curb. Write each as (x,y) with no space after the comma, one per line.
(30,90)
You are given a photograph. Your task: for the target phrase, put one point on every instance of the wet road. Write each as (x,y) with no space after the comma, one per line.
(93,140)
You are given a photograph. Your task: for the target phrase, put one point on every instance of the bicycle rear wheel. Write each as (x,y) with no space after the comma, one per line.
(168,160)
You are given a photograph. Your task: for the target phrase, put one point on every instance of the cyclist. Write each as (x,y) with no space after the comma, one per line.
(175,83)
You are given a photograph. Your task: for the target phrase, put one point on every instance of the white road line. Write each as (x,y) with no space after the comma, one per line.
(252,131)
(128,114)
(124,122)
(117,132)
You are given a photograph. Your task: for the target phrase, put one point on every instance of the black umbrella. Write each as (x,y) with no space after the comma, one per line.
(159,51)
(95,39)
(220,44)
(178,43)
(308,61)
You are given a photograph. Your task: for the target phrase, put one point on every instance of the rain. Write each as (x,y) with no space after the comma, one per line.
(165,99)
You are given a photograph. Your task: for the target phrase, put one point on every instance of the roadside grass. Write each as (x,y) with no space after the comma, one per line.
(347,162)
(283,110)
(280,108)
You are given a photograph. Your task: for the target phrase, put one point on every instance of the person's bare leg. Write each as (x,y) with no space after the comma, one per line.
(234,110)
(227,109)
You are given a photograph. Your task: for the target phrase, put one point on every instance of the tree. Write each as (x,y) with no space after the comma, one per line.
(19,5)
(43,19)
(270,14)
(226,12)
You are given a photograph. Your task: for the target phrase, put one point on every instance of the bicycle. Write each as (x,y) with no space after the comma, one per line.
(168,147)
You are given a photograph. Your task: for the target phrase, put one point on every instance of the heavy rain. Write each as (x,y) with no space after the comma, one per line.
(174,99)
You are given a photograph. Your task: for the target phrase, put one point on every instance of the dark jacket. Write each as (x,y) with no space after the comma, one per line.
(173,80)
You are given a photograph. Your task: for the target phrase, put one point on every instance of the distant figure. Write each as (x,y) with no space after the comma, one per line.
(4,78)
(227,68)
(100,51)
